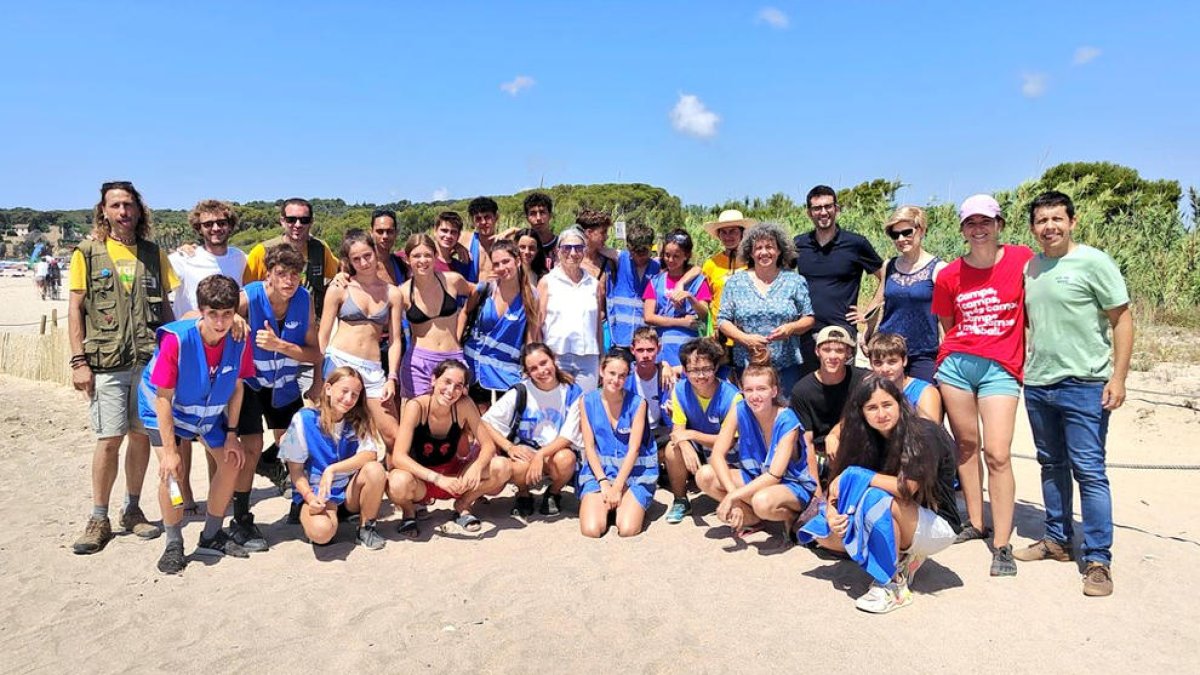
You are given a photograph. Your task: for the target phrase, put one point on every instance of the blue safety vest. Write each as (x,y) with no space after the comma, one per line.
(612,444)
(200,399)
(672,338)
(493,349)
(273,370)
(323,452)
(706,421)
(625,289)
(756,457)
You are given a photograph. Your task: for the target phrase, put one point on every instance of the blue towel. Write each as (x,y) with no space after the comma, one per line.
(870,535)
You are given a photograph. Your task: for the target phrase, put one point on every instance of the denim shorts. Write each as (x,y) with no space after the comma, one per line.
(980,376)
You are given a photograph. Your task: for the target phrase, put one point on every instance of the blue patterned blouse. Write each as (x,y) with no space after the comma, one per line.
(786,300)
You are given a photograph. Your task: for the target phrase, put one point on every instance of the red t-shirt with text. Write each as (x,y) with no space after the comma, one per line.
(988,309)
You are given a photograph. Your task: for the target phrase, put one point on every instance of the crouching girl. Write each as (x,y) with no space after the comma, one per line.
(772,481)
(888,454)
(332,456)
(620,468)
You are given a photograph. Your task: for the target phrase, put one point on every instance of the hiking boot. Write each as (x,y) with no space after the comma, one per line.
(523,507)
(247,535)
(679,509)
(133,520)
(97,533)
(884,598)
(1003,564)
(1097,580)
(551,504)
(172,561)
(1043,549)
(220,545)
(970,533)
(369,538)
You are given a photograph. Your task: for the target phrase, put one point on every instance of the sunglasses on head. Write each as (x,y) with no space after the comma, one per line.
(896,234)
(116,185)
(294,220)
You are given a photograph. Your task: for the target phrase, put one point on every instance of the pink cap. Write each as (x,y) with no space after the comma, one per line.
(977,205)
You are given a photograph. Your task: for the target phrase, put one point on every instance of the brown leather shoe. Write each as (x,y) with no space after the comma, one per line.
(1043,549)
(133,520)
(95,536)
(1097,580)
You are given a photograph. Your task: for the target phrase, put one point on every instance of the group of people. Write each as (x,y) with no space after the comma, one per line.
(47,277)
(469,360)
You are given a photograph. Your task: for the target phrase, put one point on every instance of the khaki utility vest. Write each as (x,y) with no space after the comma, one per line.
(118,326)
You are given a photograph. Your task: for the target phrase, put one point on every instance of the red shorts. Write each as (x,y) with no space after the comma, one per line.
(452,469)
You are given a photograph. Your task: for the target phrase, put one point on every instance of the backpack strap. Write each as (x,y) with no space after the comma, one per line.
(518,411)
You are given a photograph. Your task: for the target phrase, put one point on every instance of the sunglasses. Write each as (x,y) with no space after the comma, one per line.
(294,220)
(116,185)
(896,234)
(571,248)
(219,222)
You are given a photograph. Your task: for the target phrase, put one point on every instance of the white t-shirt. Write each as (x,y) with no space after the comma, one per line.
(572,314)
(40,269)
(649,390)
(549,408)
(201,265)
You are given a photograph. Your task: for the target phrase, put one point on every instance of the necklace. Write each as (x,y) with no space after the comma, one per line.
(127,241)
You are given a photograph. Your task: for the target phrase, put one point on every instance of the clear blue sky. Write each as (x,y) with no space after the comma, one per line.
(379,101)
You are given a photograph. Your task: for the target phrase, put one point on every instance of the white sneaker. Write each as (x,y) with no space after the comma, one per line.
(883,598)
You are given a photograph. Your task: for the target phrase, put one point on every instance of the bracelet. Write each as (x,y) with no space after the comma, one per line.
(395,377)
(768,472)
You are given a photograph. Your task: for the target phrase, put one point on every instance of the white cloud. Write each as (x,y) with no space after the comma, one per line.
(773,17)
(517,85)
(440,195)
(690,116)
(1085,55)
(1033,85)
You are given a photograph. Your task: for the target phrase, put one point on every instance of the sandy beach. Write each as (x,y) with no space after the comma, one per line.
(524,597)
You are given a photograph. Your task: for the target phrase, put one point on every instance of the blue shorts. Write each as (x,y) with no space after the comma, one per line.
(980,376)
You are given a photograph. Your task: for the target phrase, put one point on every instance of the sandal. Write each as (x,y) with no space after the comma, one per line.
(468,522)
(408,528)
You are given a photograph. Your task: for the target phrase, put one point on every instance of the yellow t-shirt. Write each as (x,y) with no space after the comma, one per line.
(125,259)
(256,267)
(677,416)
(716,269)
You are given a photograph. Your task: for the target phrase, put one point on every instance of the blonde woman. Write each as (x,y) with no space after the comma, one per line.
(907,290)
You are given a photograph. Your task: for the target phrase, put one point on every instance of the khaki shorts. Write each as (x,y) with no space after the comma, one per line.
(114,406)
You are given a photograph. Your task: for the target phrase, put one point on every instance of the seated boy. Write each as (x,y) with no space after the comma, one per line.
(888,354)
(698,406)
(191,389)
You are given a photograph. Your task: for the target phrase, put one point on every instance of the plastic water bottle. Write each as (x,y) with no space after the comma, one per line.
(175,493)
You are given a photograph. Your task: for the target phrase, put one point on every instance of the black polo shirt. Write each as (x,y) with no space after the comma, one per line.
(834,273)
(820,407)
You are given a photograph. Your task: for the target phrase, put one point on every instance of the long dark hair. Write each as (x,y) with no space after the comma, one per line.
(525,287)
(909,453)
(538,265)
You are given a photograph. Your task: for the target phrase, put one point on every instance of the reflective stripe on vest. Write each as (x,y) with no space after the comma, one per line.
(273,370)
(625,299)
(200,401)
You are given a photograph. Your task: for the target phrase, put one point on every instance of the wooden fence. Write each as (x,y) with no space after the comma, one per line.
(42,357)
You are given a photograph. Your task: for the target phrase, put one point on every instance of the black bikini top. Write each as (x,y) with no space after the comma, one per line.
(414,313)
(429,450)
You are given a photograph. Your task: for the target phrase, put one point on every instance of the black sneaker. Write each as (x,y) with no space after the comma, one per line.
(524,506)
(172,561)
(220,545)
(551,504)
(369,538)
(247,535)
(293,517)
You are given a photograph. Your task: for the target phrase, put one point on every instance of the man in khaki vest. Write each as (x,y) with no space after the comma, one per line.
(119,283)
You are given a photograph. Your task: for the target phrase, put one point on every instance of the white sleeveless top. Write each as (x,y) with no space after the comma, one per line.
(572,314)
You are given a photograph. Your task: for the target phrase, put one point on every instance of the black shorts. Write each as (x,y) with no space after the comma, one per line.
(256,405)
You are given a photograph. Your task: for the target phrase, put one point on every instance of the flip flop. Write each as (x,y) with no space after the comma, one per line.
(468,522)
(408,528)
